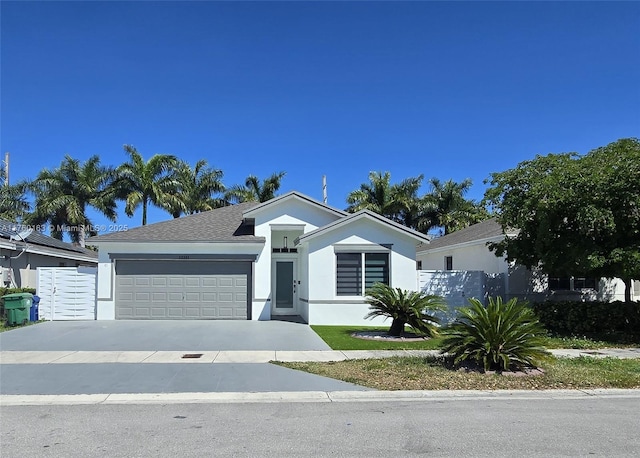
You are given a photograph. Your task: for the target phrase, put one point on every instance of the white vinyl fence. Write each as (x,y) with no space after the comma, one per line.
(455,286)
(67,293)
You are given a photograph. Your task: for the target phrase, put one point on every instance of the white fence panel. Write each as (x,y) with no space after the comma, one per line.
(67,293)
(455,286)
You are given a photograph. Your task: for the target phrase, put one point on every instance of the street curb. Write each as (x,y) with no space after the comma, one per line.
(310,397)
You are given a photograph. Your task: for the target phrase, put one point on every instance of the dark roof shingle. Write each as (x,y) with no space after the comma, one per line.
(10,230)
(223,224)
(480,231)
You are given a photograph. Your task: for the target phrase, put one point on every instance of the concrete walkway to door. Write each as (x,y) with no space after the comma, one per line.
(163,336)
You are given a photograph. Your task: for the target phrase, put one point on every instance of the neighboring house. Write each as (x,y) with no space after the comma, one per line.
(23,250)
(466,250)
(290,256)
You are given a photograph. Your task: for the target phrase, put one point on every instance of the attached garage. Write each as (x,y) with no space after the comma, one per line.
(182,289)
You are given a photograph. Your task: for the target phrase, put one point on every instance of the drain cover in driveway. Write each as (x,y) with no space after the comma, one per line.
(192,355)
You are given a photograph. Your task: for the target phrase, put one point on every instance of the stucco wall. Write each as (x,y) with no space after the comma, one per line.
(267,220)
(470,257)
(105,305)
(513,280)
(325,306)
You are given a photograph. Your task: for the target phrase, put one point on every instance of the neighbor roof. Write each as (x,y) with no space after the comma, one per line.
(37,242)
(484,230)
(363,214)
(225,224)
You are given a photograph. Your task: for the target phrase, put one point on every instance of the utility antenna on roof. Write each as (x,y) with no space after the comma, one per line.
(22,233)
(324,189)
(6,168)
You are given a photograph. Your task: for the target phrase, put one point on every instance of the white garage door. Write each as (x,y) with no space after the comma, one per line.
(174,290)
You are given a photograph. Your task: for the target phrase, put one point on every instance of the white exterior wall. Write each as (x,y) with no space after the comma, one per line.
(303,292)
(291,212)
(518,281)
(325,306)
(475,256)
(23,269)
(105,304)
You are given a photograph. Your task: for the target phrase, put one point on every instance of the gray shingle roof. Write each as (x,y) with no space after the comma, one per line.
(223,224)
(480,231)
(9,230)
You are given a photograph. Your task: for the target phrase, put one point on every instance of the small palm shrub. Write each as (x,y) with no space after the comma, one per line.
(501,336)
(404,307)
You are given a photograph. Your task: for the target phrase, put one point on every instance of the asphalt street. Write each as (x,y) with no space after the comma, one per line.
(504,427)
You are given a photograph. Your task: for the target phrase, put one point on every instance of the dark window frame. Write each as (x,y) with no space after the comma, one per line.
(365,267)
(570,283)
(448,263)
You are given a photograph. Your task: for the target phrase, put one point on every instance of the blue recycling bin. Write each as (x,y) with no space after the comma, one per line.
(33,311)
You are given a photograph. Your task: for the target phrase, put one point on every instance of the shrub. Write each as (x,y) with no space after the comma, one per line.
(609,320)
(405,307)
(500,336)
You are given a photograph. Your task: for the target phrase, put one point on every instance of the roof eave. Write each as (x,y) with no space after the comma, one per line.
(364,214)
(256,241)
(260,207)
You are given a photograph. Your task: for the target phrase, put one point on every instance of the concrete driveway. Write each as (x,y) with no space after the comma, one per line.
(86,371)
(162,336)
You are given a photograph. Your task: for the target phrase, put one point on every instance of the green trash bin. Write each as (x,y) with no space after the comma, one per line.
(17,308)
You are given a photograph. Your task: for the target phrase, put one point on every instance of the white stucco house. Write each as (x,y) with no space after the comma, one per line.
(460,265)
(290,256)
(23,251)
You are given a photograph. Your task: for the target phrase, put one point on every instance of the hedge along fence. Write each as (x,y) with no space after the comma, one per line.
(5,291)
(593,319)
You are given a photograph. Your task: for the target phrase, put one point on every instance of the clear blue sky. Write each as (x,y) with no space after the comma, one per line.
(449,90)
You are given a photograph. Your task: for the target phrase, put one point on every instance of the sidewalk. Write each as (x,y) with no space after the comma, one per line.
(219,357)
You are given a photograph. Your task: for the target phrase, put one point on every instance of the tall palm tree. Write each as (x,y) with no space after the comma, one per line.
(450,209)
(62,196)
(195,189)
(398,202)
(254,190)
(14,204)
(141,183)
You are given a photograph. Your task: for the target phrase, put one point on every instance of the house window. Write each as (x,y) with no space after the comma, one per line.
(572,283)
(585,283)
(350,280)
(448,263)
(560,283)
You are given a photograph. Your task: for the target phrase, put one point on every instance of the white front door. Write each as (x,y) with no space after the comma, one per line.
(284,286)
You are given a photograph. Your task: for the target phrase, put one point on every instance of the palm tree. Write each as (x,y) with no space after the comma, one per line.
(154,181)
(398,202)
(254,191)
(62,196)
(449,208)
(414,308)
(14,205)
(195,189)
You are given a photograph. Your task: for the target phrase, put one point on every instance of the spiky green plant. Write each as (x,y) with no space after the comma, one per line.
(500,336)
(404,307)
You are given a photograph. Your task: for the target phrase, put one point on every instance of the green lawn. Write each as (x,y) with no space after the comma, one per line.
(340,338)
(417,373)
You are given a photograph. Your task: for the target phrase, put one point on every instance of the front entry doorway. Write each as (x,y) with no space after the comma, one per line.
(285,287)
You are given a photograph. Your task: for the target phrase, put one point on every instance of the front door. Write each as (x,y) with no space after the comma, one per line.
(285,288)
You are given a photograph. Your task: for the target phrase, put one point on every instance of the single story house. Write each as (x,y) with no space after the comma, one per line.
(452,259)
(23,250)
(289,256)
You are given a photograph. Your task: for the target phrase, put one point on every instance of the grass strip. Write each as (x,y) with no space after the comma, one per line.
(420,373)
